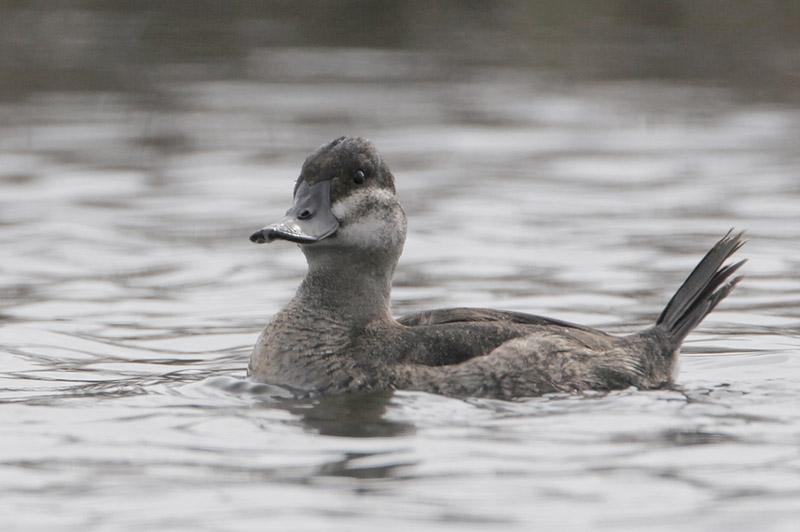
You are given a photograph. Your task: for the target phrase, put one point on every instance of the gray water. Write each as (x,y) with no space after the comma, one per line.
(130,295)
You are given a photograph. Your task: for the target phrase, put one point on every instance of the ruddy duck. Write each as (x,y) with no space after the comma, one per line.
(338,335)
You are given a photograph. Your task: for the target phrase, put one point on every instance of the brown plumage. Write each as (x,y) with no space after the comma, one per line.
(337,334)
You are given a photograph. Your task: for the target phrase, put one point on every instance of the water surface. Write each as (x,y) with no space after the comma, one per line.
(130,298)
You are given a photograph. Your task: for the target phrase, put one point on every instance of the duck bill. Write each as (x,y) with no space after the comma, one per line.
(309,220)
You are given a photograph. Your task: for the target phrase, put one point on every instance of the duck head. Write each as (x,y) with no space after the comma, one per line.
(345,208)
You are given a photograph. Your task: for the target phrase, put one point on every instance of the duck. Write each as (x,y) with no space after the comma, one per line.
(337,334)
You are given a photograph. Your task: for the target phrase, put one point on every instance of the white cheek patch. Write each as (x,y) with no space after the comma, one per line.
(370,218)
(370,199)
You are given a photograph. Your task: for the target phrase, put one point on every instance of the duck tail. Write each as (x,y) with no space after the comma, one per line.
(701,292)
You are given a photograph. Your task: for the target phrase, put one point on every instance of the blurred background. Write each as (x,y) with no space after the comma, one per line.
(137,47)
(80,59)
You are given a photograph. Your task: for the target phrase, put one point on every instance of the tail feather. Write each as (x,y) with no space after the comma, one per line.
(706,286)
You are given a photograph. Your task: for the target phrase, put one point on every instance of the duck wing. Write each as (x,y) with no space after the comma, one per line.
(472,315)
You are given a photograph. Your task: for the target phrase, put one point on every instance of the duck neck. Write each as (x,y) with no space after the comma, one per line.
(351,292)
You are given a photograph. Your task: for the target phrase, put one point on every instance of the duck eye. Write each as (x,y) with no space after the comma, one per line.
(359,178)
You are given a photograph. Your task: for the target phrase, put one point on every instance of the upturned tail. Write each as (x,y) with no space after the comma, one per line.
(708,284)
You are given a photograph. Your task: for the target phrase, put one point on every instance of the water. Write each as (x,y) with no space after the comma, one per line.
(130,297)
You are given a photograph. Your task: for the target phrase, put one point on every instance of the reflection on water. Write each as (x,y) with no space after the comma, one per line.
(571,159)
